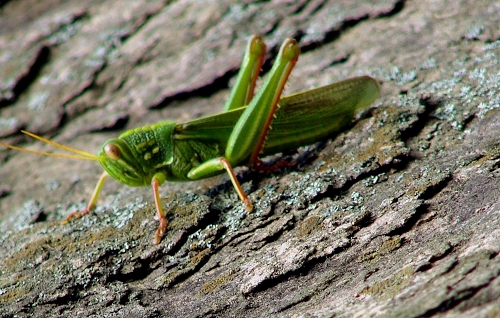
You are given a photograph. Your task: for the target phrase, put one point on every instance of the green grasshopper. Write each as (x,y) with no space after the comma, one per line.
(205,147)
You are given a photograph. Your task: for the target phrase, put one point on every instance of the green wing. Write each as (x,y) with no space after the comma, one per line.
(302,118)
(307,117)
(215,128)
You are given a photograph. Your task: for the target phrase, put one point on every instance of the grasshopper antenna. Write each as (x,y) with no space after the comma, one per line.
(78,154)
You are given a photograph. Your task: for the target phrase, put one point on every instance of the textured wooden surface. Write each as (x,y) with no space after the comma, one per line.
(398,216)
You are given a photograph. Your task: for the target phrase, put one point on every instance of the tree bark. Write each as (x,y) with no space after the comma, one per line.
(397,216)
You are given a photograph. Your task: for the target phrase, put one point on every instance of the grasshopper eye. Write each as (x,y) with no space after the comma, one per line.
(112,151)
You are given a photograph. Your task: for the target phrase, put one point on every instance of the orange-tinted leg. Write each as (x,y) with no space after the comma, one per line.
(92,203)
(162,228)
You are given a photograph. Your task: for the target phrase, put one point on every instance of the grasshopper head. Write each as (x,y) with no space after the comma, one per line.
(119,162)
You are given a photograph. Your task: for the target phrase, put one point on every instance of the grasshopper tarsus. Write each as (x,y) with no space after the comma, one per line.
(160,232)
(75,215)
(248,205)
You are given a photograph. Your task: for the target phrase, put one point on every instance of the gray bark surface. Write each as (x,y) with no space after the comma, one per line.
(398,216)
